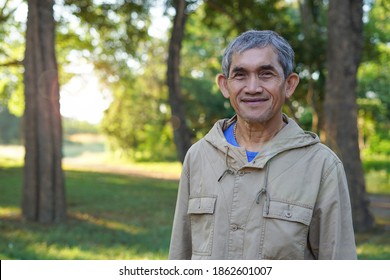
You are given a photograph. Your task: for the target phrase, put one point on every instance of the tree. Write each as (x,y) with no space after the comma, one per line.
(43,188)
(181,132)
(140,105)
(344,49)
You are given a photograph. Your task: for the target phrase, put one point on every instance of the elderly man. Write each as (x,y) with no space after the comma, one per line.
(257,186)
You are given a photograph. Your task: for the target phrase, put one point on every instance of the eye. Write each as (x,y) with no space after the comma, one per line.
(266,74)
(238,75)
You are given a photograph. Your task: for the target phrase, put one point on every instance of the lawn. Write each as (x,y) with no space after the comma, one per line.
(117,216)
(111,216)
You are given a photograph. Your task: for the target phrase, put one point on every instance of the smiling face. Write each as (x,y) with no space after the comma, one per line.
(256,86)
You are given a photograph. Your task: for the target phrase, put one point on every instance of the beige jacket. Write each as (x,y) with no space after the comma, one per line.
(290,202)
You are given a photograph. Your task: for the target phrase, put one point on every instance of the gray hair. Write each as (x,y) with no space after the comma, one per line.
(260,39)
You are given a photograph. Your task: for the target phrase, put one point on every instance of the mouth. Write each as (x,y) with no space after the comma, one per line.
(254,100)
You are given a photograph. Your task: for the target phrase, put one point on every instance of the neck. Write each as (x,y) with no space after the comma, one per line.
(253,136)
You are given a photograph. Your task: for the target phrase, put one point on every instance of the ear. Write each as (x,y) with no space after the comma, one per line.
(222,83)
(291,84)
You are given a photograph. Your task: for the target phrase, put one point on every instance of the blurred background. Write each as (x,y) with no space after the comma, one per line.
(134,86)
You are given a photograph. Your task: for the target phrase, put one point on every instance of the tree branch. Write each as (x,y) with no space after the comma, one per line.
(12,63)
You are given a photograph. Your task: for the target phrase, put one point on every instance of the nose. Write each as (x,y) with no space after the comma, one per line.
(253,85)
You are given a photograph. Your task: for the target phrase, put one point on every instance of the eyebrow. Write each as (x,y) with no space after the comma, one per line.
(238,69)
(261,67)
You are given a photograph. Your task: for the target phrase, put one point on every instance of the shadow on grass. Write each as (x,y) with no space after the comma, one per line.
(110,217)
(375,244)
(80,239)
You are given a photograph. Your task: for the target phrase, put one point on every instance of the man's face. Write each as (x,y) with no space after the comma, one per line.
(256,85)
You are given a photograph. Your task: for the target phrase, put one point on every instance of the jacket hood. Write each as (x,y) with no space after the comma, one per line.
(290,137)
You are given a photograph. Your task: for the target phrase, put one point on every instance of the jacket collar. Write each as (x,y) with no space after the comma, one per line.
(290,137)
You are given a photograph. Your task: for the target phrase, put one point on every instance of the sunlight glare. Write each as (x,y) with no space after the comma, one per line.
(83,98)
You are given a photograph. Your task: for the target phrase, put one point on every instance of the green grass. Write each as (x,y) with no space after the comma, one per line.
(374,245)
(110,217)
(114,216)
(377,174)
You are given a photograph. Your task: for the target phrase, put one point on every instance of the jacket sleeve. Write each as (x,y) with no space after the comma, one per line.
(331,234)
(180,247)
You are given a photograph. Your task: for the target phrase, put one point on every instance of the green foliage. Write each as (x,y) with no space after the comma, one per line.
(11,57)
(267,14)
(374,71)
(380,143)
(111,31)
(377,29)
(374,97)
(137,122)
(374,83)
(204,106)
(374,127)
(11,91)
(10,127)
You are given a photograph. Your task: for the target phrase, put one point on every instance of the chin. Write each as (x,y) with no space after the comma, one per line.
(258,119)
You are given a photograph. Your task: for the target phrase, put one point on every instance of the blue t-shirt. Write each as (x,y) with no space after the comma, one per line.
(229,135)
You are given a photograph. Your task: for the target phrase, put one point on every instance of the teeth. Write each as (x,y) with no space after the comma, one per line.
(255,100)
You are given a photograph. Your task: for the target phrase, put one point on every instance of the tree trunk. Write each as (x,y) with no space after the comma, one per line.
(182,134)
(345,43)
(43,186)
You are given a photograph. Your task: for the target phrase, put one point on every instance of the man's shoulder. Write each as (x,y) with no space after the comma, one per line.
(322,152)
(196,146)
(213,137)
(324,149)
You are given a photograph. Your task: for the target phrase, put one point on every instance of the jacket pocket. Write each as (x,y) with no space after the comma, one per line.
(286,226)
(201,211)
